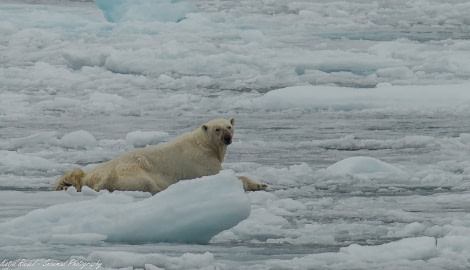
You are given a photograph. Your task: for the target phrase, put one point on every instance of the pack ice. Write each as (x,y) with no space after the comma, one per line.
(142,10)
(191,211)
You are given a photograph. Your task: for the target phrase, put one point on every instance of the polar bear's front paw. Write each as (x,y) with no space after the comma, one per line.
(251,185)
(262,186)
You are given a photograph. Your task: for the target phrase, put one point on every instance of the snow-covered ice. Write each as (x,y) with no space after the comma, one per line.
(355,113)
(189,211)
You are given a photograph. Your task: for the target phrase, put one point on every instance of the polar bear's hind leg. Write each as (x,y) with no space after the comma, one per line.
(133,176)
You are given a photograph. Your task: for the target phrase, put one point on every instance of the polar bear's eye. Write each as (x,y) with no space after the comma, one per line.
(217,130)
(229,127)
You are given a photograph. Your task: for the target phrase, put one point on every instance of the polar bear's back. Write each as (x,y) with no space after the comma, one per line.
(154,168)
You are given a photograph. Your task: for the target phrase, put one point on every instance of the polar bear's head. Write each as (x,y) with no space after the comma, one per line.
(219,131)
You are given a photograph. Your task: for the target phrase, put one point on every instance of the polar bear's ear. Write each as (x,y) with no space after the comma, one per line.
(232,121)
(204,127)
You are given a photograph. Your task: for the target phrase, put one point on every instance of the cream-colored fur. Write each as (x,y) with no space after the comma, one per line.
(153,169)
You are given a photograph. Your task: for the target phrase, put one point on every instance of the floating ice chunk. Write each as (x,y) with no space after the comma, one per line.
(191,211)
(362,165)
(76,239)
(265,226)
(118,259)
(385,256)
(152,267)
(33,141)
(350,142)
(253,36)
(344,98)
(145,10)
(59,104)
(412,229)
(143,138)
(77,59)
(419,248)
(8,28)
(80,139)
(103,102)
(12,161)
(458,243)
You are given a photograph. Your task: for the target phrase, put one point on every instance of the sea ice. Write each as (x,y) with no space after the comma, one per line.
(79,139)
(191,211)
(387,256)
(295,74)
(408,248)
(143,10)
(121,259)
(362,165)
(141,138)
(382,97)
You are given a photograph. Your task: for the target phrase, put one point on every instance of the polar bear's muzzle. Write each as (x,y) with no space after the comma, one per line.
(227,139)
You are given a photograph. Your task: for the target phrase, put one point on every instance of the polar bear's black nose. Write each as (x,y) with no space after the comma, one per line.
(227,139)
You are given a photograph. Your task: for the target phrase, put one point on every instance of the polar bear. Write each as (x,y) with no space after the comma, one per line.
(154,168)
